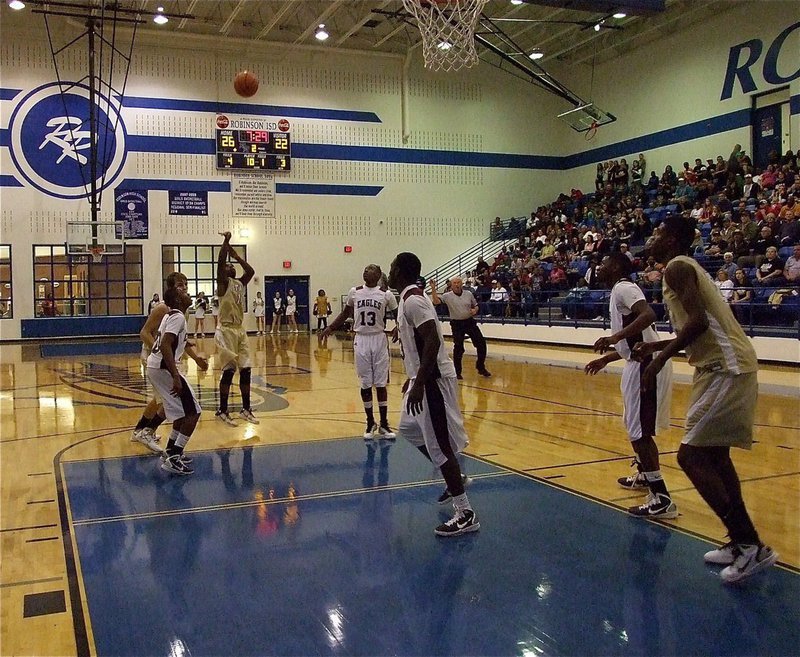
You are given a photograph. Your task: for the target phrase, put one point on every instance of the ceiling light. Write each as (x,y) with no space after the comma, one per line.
(536,54)
(160,18)
(444,45)
(321,34)
(620,14)
(516,2)
(597,27)
(16,4)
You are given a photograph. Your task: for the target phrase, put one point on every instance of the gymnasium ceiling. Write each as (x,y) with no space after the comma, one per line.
(561,29)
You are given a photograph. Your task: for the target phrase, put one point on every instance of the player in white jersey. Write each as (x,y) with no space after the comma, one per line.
(644,412)
(430,418)
(153,415)
(367,305)
(180,404)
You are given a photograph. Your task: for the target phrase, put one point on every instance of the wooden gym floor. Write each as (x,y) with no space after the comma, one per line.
(538,416)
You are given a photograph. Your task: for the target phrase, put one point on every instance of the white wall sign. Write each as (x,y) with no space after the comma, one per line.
(253,195)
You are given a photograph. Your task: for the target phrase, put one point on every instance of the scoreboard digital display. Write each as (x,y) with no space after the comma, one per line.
(254,150)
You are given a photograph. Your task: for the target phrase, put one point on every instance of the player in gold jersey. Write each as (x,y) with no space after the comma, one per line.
(723,398)
(233,349)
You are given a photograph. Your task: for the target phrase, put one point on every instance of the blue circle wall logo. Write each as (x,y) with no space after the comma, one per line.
(51,143)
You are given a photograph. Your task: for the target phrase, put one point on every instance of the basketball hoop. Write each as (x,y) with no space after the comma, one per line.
(448,31)
(97,252)
(591,132)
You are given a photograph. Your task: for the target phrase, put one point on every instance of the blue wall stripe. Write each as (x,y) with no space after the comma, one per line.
(9,181)
(420,156)
(676,135)
(328,190)
(5,137)
(794,104)
(180,145)
(251,110)
(157,185)
(9,94)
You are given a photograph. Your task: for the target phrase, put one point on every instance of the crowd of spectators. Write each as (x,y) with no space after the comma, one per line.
(747,235)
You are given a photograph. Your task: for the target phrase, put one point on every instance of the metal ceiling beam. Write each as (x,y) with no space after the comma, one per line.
(359,24)
(684,9)
(229,21)
(275,20)
(189,10)
(594,35)
(319,19)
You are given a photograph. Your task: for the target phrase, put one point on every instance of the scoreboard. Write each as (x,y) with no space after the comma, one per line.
(253,149)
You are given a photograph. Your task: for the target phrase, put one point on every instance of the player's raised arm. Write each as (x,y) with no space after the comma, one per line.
(434,293)
(222,261)
(249,272)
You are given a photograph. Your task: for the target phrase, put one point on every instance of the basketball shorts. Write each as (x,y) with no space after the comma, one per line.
(722,409)
(372,359)
(174,407)
(440,425)
(233,347)
(645,413)
(143,358)
(199,314)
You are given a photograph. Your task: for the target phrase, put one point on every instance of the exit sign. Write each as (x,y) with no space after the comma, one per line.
(287,264)
(348,249)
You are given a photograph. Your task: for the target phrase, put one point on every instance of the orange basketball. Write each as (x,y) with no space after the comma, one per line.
(245,83)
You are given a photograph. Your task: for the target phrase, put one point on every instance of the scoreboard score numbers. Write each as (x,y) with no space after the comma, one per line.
(253,144)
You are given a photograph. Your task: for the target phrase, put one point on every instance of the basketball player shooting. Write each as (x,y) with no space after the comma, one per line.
(233,348)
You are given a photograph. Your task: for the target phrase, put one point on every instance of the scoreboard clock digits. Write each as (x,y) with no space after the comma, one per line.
(254,150)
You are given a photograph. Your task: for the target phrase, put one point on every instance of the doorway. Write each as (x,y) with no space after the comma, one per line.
(770,126)
(282,284)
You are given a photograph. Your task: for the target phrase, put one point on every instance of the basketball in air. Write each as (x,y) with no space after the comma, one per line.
(245,83)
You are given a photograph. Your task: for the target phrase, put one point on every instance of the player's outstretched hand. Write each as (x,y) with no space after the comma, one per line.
(227,236)
(202,363)
(642,350)
(414,399)
(593,367)
(326,332)
(603,345)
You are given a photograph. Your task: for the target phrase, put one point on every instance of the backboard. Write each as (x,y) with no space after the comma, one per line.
(586,117)
(95,238)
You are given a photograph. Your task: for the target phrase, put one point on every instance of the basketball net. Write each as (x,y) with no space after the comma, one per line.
(448,31)
(591,132)
(97,253)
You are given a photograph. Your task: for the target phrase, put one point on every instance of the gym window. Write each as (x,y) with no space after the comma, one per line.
(199,264)
(75,286)
(6,307)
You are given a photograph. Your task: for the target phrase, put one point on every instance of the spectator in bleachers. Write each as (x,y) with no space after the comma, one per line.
(724,285)
(482,267)
(789,229)
(720,173)
(716,246)
(768,178)
(750,189)
(764,242)
(498,300)
(621,176)
(557,280)
(770,272)
(729,265)
(739,246)
(652,182)
(741,297)
(637,176)
(791,270)
(684,193)
(750,229)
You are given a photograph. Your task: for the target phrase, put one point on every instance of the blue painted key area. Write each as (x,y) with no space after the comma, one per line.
(327,548)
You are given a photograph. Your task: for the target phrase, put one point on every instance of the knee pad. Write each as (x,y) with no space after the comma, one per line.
(227,377)
(244,376)
(366,394)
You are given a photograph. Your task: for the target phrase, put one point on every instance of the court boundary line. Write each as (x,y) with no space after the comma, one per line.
(591,498)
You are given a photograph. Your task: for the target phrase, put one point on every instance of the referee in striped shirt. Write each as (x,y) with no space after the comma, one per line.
(462,308)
